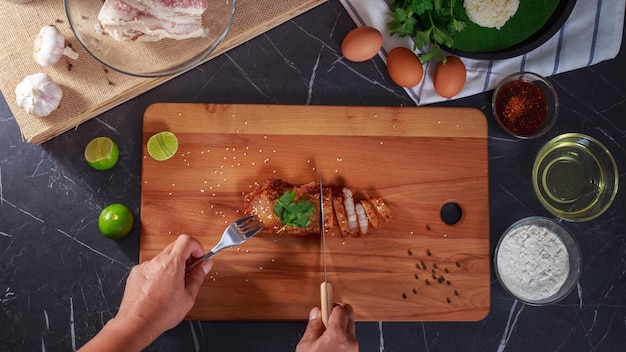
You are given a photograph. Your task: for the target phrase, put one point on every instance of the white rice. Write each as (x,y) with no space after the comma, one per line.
(490,13)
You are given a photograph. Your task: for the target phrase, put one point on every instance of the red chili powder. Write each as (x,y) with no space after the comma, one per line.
(521,107)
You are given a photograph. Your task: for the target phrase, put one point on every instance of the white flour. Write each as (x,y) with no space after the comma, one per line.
(533,262)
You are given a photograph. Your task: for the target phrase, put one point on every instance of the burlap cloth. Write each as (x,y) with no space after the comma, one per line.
(88,88)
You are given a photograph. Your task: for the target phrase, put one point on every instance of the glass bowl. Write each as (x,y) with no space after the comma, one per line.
(148,59)
(525,105)
(575,177)
(531,264)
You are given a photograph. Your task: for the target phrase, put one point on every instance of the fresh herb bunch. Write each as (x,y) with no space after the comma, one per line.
(426,21)
(293,213)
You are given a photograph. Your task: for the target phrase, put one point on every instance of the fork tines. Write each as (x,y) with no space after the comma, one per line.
(250,225)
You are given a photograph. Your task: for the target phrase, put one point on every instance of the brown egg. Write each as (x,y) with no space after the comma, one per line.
(404,67)
(449,78)
(361,44)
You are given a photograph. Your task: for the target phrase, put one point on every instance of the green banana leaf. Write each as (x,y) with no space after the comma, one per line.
(530,17)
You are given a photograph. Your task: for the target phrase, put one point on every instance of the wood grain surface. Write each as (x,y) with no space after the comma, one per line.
(416,268)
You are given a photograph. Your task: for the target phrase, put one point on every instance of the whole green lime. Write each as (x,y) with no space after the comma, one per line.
(116,221)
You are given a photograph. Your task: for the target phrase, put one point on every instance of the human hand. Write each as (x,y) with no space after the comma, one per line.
(158,294)
(339,336)
(157,297)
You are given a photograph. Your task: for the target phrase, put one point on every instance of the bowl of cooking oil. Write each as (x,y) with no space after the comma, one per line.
(575,177)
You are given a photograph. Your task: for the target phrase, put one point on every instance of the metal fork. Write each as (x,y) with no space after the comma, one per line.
(236,233)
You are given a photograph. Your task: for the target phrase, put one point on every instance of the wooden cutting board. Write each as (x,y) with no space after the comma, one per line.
(416,268)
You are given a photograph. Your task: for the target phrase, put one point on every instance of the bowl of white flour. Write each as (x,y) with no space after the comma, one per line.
(537,261)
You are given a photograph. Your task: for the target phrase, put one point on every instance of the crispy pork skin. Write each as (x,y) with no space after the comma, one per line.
(262,199)
(153,20)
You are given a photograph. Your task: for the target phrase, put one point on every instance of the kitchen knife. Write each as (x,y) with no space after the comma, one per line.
(326,289)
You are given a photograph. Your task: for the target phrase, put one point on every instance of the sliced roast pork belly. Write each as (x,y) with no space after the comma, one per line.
(153,20)
(261,201)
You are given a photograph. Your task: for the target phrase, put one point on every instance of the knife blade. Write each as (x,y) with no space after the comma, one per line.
(326,289)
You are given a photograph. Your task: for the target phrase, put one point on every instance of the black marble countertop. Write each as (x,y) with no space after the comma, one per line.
(61,280)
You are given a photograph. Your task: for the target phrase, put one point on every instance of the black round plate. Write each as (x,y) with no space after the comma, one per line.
(553,24)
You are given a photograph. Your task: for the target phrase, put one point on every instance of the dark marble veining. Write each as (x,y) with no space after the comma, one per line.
(60,280)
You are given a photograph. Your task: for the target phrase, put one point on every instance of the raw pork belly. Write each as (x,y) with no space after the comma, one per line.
(153,20)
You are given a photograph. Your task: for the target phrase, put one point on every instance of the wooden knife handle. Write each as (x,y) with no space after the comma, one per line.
(326,292)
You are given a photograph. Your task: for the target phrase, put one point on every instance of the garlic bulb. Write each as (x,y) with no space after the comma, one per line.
(49,46)
(38,95)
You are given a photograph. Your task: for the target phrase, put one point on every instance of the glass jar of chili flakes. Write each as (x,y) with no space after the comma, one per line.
(525,104)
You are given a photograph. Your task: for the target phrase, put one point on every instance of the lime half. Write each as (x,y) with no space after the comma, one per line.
(162,145)
(116,221)
(101,153)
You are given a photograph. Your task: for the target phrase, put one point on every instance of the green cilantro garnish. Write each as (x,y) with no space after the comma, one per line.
(426,21)
(293,213)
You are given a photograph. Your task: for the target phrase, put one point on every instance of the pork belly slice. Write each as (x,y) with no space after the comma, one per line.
(340,214)
(153,20)
(329,218)
(382,208)
(372,215)
(178,7)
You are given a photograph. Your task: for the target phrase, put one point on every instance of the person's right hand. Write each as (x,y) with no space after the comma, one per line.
(157,297)
(339,336)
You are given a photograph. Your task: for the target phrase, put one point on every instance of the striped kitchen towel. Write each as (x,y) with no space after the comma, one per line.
(592,33)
